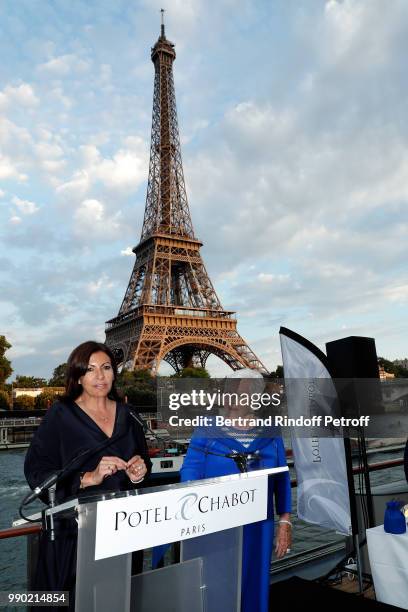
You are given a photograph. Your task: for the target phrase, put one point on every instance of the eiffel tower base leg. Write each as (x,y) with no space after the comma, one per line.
(184,343)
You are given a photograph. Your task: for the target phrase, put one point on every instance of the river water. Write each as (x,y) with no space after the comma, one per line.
(13,550)
(13,487)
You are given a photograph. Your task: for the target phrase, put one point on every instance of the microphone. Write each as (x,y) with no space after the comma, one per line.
(46,484)
(146,428)
(244,460)
(139,420)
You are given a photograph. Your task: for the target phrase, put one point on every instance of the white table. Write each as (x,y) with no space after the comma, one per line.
(389,565)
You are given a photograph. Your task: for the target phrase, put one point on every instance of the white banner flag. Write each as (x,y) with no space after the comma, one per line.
(320,463)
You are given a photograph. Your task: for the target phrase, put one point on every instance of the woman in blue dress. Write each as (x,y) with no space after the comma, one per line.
(209,457)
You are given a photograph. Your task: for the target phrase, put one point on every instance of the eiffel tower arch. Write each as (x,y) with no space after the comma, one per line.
(171,311)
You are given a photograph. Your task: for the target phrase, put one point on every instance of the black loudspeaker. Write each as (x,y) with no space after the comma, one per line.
(353,357)
(354,366)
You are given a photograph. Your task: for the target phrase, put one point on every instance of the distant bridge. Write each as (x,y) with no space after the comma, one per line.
(16,432)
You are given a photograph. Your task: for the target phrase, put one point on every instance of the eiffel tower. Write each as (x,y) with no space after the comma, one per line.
(171,311)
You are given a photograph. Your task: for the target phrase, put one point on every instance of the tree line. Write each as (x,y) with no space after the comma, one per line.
(138,387)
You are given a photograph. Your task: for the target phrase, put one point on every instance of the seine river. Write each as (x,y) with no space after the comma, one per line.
(13,488)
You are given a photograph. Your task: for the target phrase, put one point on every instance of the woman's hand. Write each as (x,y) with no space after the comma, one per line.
(283,537)
(136,469)
(106,467)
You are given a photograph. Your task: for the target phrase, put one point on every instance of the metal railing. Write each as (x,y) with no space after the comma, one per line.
(20,422)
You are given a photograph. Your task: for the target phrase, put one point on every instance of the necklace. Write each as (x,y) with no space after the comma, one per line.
(104,419)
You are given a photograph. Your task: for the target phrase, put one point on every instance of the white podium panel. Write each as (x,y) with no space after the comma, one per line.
(388,555)
(207,516)
(196,509)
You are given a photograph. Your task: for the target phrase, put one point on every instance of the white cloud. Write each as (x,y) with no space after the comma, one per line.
(77,186)
(11,133)
(267,278)
(50,156)
(15,144)
(362,33)
(9,170)
(397,293)
(127,252)
(58,94)
(254,121)
(101,284)
(126,170)
(14,220)
(25,149)
(345,21)
(128,167)
(91,221)
(63,65)
(21,350)
(48,150)
(22,95)
(25,207)
(53,167)
(123,172)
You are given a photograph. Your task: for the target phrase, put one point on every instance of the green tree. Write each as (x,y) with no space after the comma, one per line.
(279,371)
(138,387)
(393,368)
(29,382)
(145,399)
(59,376)
(5,400)
(24,402)
(5,366)
(141,378)
(386,364)
(192,373)
(45,399)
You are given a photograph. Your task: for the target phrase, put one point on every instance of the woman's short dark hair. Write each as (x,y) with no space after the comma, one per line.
(78,364)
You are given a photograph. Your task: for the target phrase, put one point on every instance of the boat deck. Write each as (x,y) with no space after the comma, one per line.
(351,586)
(320,597)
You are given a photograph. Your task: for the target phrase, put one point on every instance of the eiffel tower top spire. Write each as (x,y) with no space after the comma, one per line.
(167,210)
(163,35)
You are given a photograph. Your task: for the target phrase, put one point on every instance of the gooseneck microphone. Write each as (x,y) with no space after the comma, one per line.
(139,420)
(46,484)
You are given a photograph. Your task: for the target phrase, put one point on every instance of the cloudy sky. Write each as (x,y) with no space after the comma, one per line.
(294,140)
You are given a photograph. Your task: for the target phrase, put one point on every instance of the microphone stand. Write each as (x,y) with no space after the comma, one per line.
(51,497)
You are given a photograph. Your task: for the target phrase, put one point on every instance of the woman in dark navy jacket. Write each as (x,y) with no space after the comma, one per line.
(206,458)
(89,416)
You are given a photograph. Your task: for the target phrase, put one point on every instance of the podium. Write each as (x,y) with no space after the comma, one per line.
(206,516)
